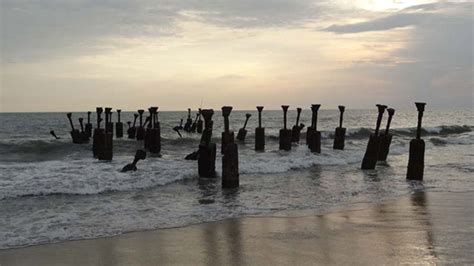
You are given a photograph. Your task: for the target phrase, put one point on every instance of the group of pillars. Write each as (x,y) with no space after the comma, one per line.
(379,144)
(313,136)
(102,146)
(192,126)
(229,150)
(377,147)
(148,131)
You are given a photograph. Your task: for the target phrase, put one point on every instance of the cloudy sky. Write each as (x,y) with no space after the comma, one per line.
(61,55)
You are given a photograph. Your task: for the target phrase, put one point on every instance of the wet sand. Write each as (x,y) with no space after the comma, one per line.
(423,228)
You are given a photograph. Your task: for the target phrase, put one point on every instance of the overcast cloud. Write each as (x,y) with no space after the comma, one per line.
(51,50)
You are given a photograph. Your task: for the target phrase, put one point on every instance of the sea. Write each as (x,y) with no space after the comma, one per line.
(53,190)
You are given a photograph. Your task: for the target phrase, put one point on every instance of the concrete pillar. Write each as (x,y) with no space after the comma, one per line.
(416,159)
(285,133)
(371,154)
(340,134)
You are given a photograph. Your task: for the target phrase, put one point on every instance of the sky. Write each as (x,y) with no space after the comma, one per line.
(72,55)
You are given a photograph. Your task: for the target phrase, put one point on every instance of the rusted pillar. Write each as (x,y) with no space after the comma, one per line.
(416,160)
(230,159)
(189,122)
(75,134)
(314,136)
(105,151)
(131,131)
(296,130)
(285,133)
(109,125)
(243,132)
(88,128)
(199,123)
(99,135)
(207,150)
(260,132)
(194,125)
(147,137)
(153,134)
(118,126)
(140,128)
(340,134)
(84,136)
(386,138)
(227,135)
(371,153)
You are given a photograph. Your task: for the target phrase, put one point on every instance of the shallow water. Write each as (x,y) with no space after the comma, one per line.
(53,190)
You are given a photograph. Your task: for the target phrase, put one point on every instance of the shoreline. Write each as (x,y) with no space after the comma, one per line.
(423,227)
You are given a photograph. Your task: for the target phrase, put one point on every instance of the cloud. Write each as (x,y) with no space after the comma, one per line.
(411,16)
(34,29)
(380,24)
(434,63)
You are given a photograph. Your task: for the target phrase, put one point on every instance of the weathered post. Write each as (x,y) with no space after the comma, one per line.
(140,128)
(109,125)
(99,135)
(285,133)
(189,122)
(207,150)
(243,132)
(295,131)
(153,135)
(84,137)
(148,128)
(230,159)
(227,135)
(194,125)
(371,153)
(314,143)
(75,134)
(386,138)
(416,160)
(340,134)
(106,153)
(260,132)
(139,155)
(131,131)
(88,128)
(199,123)
(118,125)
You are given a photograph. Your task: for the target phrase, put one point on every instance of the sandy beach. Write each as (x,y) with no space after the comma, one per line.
(423,228)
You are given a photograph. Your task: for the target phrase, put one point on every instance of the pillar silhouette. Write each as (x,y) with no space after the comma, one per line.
(260,132)
(296,130)
(371,154)
(416,159)
(140,129)
(88,127)
(340,134)
(118,125)
(313,135)
(243,132)
(285,133)
(207,149)
(386,137)
(227,135)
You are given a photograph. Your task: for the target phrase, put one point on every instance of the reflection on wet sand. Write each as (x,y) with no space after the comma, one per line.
(422,228)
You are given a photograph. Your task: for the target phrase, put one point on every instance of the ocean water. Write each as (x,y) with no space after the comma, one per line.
(53,190)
